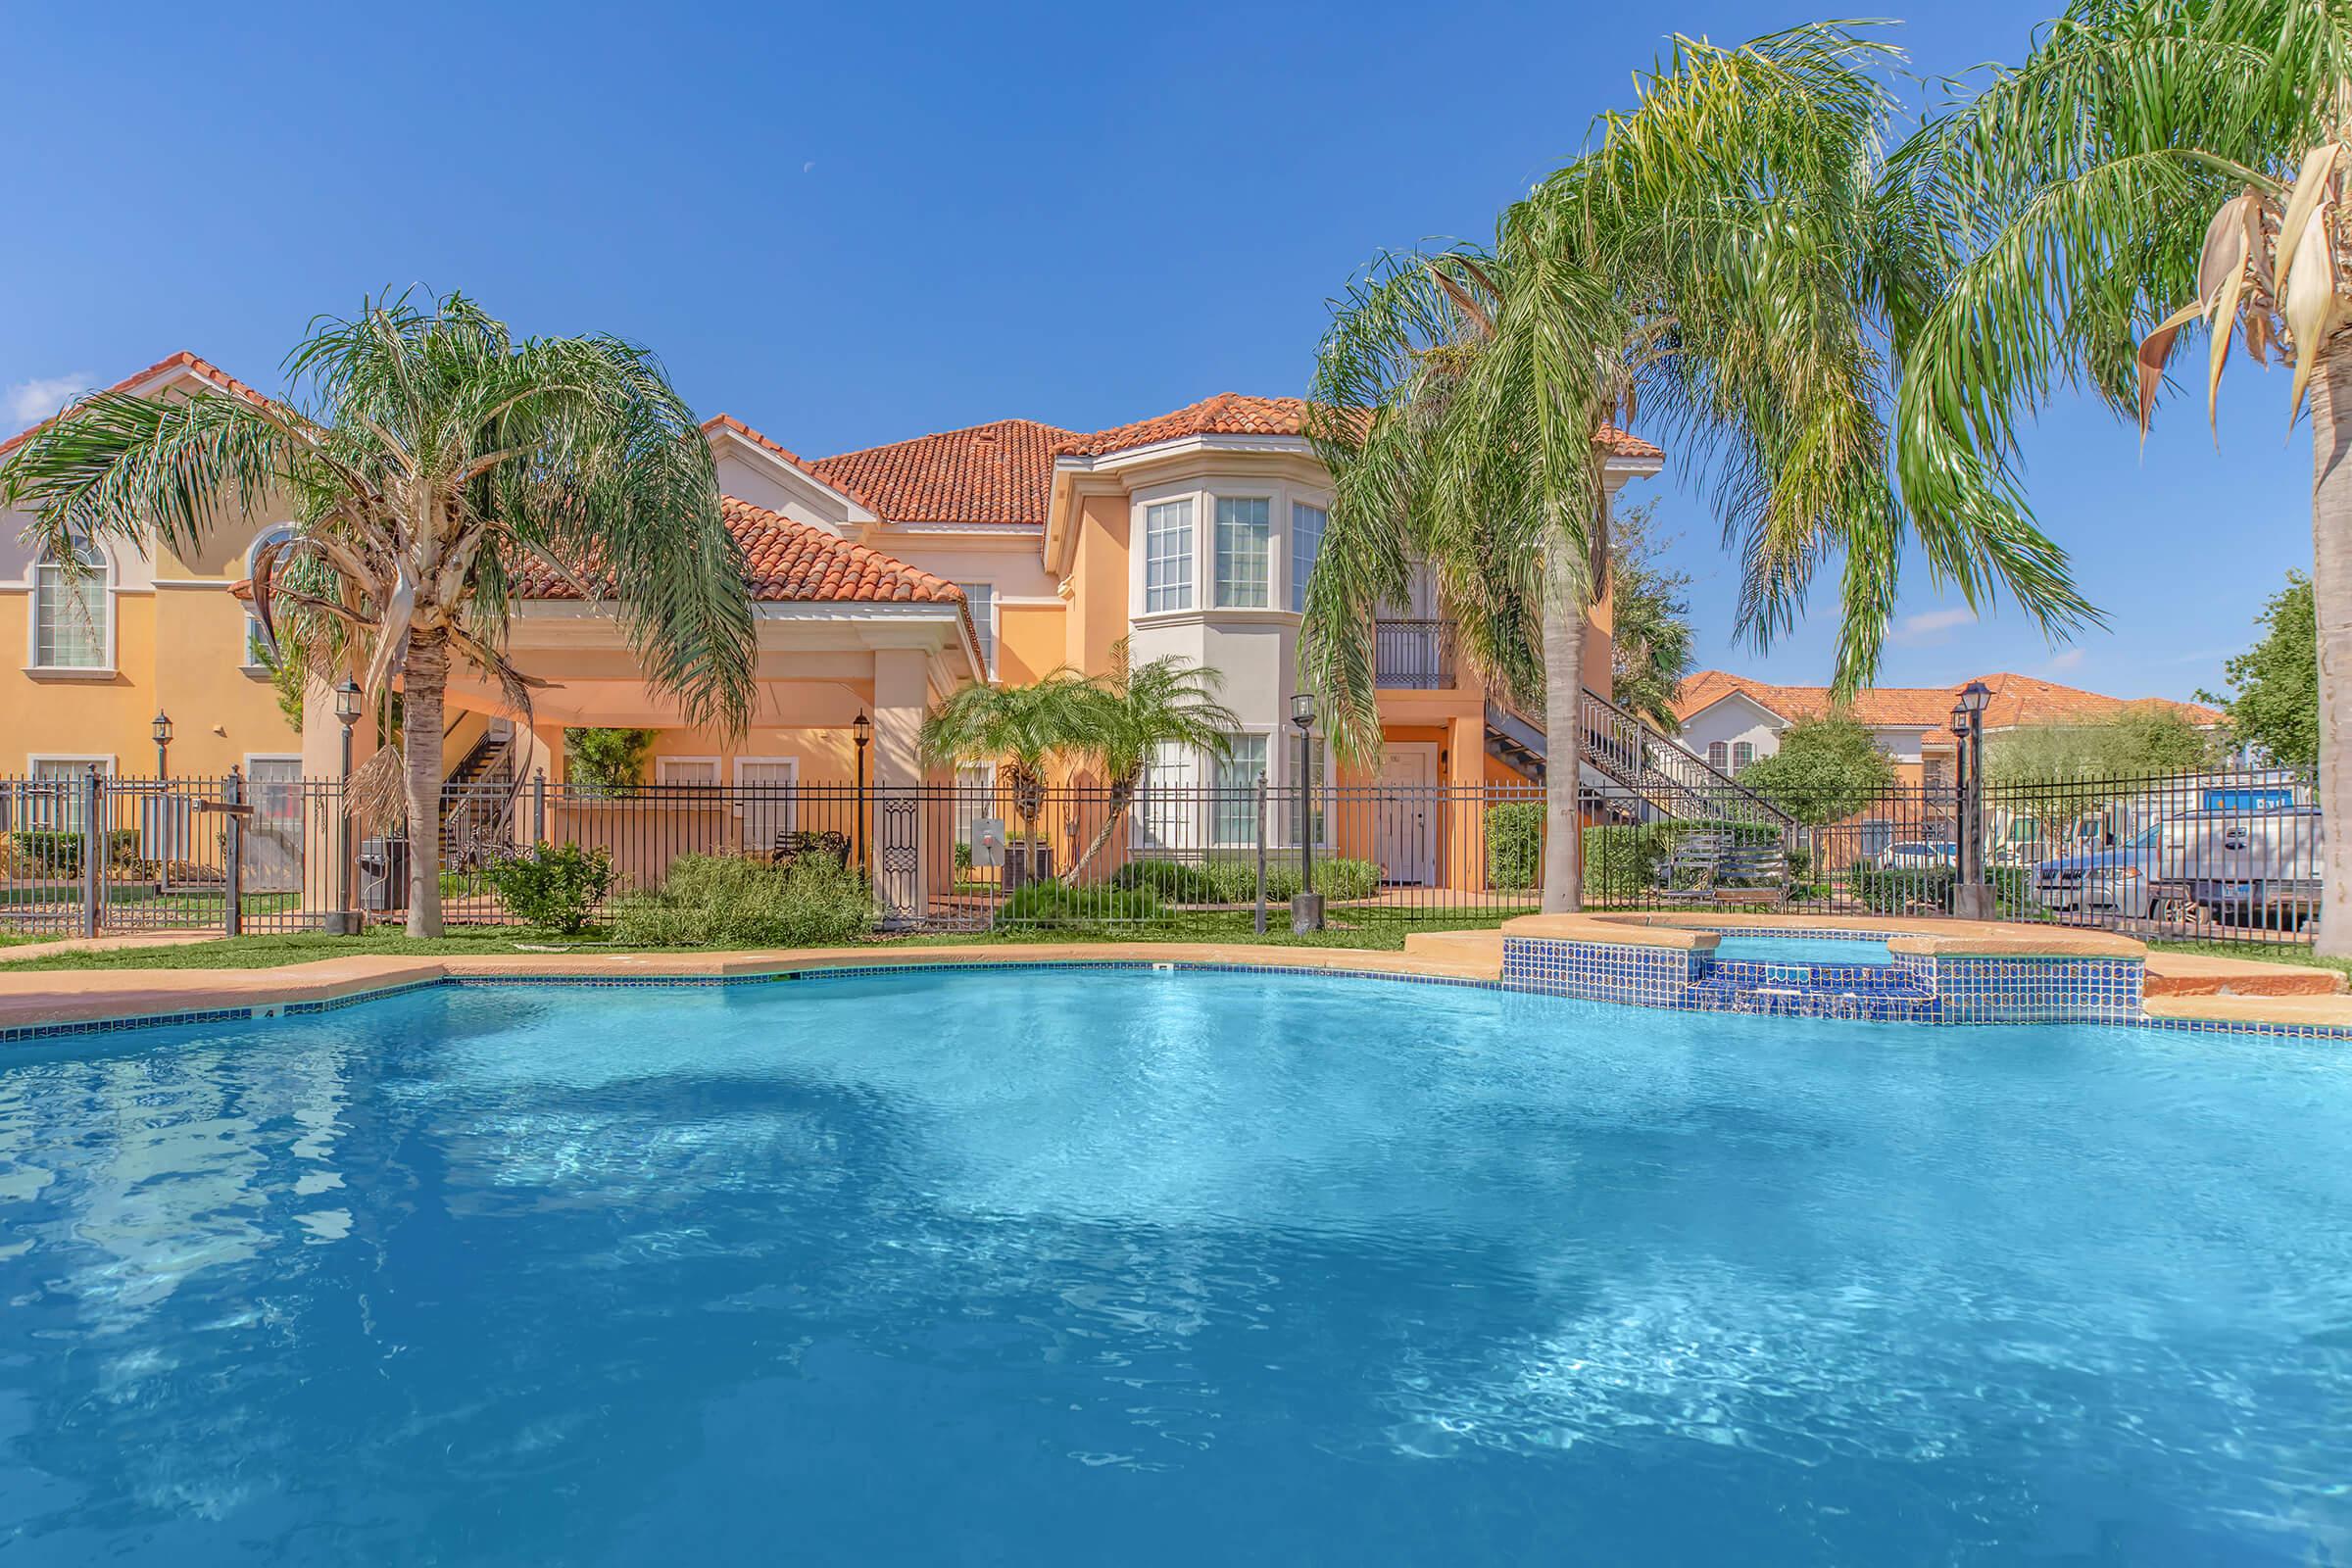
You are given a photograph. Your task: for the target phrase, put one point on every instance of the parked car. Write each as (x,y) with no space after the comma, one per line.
(2239,865)
(1918,855)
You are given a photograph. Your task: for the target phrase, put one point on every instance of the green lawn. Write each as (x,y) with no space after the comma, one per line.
(2259,952)
(1373,928)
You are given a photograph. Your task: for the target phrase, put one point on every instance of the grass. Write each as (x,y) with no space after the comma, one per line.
(2293,953)
(1363,928)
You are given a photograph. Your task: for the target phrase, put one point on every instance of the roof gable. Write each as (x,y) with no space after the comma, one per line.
(180,367)
(999,474)
(2017,700)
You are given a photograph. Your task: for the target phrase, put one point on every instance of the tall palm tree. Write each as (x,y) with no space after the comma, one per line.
(1730,258)
(1137,709)
(432,460)
(2155,170)
(1022,729)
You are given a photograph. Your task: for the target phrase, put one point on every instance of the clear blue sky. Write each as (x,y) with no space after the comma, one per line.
(847,224)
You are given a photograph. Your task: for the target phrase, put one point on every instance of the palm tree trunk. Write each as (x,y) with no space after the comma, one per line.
(424,676)
(1564,592)
(2331,600)
(1122,795)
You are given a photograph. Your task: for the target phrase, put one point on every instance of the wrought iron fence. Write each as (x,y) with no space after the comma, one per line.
(2219,857)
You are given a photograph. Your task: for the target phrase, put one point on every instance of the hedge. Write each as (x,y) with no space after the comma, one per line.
(1515,845)
(1235,881)
(1058,903)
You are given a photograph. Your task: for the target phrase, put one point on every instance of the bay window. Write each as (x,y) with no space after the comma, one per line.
(1306,544)
(1244,544)
(1168,556)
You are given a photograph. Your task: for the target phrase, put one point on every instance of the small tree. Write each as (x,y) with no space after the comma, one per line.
(1826,769)
(611,762)
(1019,729)
(1650,640)
(2144,742)
(1135,711)
(2277,706)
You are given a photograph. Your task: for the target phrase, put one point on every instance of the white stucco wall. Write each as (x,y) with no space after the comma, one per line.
(1733,721)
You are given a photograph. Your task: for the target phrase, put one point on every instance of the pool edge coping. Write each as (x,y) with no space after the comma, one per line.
(105,1002)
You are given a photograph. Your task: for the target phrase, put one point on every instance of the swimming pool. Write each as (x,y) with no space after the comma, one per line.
(1080,1267)
(1838,951)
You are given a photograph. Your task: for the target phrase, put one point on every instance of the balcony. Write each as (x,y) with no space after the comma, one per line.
(1412,656)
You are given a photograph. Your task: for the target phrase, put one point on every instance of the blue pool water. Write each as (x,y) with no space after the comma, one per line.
(1842,951)
(1116,1267)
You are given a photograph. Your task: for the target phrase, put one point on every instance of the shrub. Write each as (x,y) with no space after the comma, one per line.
(57,852)
(1897,890)
(1058,903)
(554,887)
(1621,862)
(1515,845)
(720,900)
(1235,881)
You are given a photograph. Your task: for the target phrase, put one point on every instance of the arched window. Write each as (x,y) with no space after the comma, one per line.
(1719,756)
(73,610)
(257,641)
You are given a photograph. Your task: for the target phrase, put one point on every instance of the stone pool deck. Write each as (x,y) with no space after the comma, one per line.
(2178,986)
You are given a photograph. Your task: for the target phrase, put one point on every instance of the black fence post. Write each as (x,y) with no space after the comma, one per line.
(233,854)
(1262,853)
(538,806)
(93,850)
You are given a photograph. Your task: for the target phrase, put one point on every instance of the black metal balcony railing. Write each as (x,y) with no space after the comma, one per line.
(1413,654)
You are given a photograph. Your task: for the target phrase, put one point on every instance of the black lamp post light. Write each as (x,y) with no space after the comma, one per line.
(1971,897)
(347,713)
(161,729)
(1306,904)
(861,731)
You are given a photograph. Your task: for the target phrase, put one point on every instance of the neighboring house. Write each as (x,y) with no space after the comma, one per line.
(882,577)
(1731,720)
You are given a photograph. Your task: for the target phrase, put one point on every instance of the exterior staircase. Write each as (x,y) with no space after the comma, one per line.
(477,799)
(1636,759)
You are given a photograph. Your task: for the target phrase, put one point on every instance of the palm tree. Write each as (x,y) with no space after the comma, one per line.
(1020,728)
(2158,169)
(433,459)
(1137,709)
(1729,258)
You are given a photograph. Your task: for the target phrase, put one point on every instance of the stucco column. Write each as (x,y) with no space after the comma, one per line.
(901,693)
(322,884)
(1466,827)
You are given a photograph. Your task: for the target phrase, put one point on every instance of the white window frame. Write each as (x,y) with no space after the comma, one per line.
(72,823)
(104,668)
(792,800)
(1189,557)
(253,623)
(1298,579)
(719,771)
(1148,828)
(1719,756)
(994,626)
(976,798)
(1213,766)
(1739,761)
(1216,552)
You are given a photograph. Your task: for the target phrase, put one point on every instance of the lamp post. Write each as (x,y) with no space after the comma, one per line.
(1972,899)
(347,713)
(1306,905)
(861,731)
(161,729)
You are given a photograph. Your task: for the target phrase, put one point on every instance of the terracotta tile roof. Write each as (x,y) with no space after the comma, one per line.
(795,562)
(195,365)
(998,474)
(2016,700)
(728,422)
(1234,413)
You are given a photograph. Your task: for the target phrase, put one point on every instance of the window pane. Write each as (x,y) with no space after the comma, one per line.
(1236,789)
(1719,756)
(982,597)
(1245,542)
(68,630)
(1168,556)
(1166,799)
(1307,543)
(1743,754)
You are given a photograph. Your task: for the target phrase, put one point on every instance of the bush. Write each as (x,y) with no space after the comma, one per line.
(1058,903)
(1235,881)
(1896,891)
(57,852)
(1515,845)
(722,900)
(552,887)
(1620,862)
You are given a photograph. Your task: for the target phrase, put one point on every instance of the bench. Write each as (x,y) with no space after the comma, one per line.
(791,846)
(1716,868)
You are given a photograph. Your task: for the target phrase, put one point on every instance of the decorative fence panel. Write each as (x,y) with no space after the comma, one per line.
(2222,856)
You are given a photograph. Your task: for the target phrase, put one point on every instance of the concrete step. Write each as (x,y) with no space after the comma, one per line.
(2198,975)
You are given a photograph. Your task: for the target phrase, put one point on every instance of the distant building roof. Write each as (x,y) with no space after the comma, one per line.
(2016,700)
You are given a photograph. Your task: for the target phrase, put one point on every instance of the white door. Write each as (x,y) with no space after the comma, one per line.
(1405,816)
(770,801)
